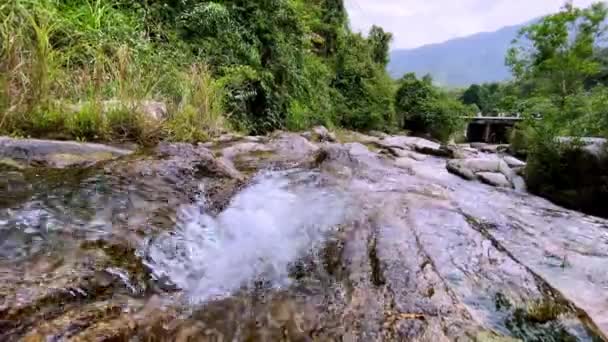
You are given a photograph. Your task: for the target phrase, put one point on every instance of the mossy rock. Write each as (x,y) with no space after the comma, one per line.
(487,336)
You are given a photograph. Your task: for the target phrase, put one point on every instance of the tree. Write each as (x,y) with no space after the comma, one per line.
(474,95)
(366,92)
(557,52)
(380,42)
(424,108)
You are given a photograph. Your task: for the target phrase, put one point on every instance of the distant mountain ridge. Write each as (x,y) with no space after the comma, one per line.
(459,62)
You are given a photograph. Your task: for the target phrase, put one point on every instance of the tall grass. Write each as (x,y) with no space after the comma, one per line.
(200,112)
(83,70)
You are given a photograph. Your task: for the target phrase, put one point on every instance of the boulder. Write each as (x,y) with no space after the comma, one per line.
(594,146)
(322,134)
(572,173)
(513,162)
(419,145)
(463,151)
(494,179)
(490,148)
(458,168)
(56,154)
(486,170)
(482,165)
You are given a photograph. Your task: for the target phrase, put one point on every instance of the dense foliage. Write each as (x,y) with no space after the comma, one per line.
(491,98)
(559,64)
(250,65)
(560,67)
(426,108)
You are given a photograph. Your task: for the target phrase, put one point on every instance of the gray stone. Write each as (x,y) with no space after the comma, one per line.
(594,146)
(405,163)
(58,154)
(514,162)
(482,165)
(458,168)
(494,179)
(419,145)
(322,134)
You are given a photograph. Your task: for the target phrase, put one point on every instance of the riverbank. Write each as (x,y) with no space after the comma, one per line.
(290,236)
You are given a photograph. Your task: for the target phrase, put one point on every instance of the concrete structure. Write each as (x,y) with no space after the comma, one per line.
(490,129)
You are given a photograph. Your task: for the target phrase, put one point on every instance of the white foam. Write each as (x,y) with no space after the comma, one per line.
(268,226)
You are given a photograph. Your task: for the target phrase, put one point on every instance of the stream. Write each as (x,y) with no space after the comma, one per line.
(282,239)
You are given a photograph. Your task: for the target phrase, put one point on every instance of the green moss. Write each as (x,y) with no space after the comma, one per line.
(10,164)
(487,336)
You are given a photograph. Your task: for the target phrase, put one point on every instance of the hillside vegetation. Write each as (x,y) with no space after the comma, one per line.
(251,66)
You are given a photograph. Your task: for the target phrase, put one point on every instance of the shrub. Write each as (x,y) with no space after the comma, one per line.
(567,173)
(427,109)
(200,112)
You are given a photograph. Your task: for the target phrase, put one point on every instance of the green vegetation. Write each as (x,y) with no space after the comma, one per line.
(560,65)
(426,108)
(89,69)
(491,98)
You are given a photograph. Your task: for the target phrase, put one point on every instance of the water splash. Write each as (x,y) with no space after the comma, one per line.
(267,227)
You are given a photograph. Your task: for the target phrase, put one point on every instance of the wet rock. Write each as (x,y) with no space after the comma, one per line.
(460,169)
(322,134)
(495,179)
(57,154)
(514,162)
(175,161)
(417,256)
(405,163)
(291,146)
(471,169)
(490,148)
(463,151)
(378,134)
(246,155)
(14,187)
(419,145)
(519,184)
(477,165)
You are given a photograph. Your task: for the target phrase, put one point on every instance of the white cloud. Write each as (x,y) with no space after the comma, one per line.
(419,22)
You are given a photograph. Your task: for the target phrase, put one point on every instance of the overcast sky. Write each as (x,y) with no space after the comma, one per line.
(420,22)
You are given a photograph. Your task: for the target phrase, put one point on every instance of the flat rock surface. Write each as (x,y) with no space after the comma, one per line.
(292,241)
(58,154)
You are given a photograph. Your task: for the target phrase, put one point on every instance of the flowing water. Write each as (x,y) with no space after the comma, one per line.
(352,249)
(270,225)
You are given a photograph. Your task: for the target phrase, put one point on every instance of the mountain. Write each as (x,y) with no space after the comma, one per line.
(459,62)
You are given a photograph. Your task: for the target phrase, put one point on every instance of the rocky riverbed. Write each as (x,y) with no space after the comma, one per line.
(290,237)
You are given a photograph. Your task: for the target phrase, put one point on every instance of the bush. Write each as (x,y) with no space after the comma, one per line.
(271,64)
(568,174)
(426,109)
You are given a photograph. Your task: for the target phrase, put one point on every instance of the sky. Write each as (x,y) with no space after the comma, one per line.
(419,22)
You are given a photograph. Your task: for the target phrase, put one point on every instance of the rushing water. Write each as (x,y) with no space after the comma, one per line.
(268,226)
